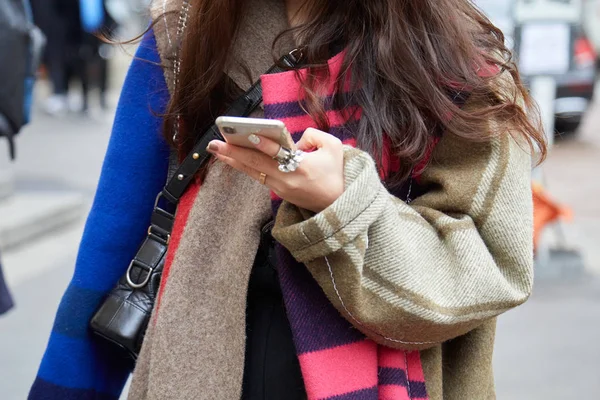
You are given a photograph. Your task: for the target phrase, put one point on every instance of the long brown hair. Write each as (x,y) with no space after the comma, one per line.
(402,58)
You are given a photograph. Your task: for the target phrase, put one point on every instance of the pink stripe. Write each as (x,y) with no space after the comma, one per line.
(392,358)
(274,196)
(485,70)
(350,142)
(340,370)
(281,88)
(301,123)
(284,87)
(393,392)
(488,70)
(415,369)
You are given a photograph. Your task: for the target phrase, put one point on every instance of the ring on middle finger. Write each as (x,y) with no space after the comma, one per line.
(292,163)
(283,155)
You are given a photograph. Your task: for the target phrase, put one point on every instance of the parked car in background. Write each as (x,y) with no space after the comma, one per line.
(591,23)
(549,38)
(575,88)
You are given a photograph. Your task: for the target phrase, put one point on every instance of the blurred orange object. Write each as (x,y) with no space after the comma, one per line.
(545,211)
(43,72)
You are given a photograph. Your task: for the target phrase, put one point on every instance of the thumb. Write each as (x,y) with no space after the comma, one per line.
(314,139)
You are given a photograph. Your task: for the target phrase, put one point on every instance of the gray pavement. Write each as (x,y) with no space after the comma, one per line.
(55,155)
(546,349)
(64,152)
(25,330)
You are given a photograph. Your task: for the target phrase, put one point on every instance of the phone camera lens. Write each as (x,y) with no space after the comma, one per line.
(229,130)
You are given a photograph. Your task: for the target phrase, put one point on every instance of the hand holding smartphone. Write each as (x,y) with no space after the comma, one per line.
(236,131)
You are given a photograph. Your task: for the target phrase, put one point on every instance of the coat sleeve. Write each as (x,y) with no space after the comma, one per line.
(77,365)
(412,276)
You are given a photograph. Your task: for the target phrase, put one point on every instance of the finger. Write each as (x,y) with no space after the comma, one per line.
(265,145)
(316,139)
(251,158)
(273,182)
(251,172)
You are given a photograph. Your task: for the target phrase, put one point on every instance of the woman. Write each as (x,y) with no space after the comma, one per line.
(404,232)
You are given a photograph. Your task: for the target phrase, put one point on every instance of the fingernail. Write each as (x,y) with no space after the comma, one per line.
(213,147)
(254,139)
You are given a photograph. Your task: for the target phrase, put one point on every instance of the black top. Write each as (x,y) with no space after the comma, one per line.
(271,370)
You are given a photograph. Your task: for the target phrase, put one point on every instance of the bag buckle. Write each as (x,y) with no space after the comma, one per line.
(170,199)
(159,235)
(130,281)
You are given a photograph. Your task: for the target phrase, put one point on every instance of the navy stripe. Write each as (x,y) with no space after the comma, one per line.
(397,377)
(418,390)
(316,323)
(42,389)
(364,394)
(283,110)
(275,204)
(392,376)
(346,131)
(296,108)
(91,363)
(342,132)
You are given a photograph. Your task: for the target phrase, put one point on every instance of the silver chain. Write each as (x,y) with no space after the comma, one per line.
(410,185)
(408,199)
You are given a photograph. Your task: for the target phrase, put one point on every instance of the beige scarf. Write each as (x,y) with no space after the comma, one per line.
(194,348)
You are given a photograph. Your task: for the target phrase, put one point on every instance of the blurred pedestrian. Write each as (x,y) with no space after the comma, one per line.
(52,22)
(22,43)
(372,266)
(94,54)
(20,50)
(74,50)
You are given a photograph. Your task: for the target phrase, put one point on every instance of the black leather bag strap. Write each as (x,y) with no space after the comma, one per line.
(164,212)
(242,107)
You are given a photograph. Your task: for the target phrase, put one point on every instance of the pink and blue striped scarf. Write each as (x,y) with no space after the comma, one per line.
(338,362)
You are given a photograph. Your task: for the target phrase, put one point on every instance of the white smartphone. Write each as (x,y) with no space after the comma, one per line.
(236,130)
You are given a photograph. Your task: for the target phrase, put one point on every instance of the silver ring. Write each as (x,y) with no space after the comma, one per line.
(292,163)
(283,155)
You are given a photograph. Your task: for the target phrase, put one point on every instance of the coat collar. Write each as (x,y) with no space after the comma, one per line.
(252,53)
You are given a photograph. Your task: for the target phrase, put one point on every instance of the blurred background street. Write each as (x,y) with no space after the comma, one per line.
(547,349)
